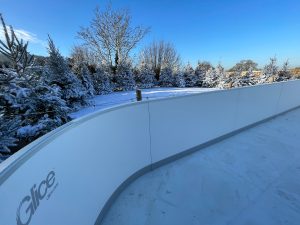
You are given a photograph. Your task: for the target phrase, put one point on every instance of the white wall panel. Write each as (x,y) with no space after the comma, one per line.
(257,103)
(182,123)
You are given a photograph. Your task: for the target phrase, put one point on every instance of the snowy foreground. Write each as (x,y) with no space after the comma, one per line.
(102,102)
(251,178)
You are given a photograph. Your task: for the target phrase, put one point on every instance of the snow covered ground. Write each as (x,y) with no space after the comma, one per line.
(252,178)
(101,102)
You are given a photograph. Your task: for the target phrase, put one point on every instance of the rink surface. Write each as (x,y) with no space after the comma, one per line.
(252,178)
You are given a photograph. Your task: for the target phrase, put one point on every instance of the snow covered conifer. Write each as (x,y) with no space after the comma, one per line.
(250,78)
(246,79)
(27,104)
(58,73)
(270,71)
(200,72)
(179,80)
(166,78)
(8,128)
(124,77)
(211,78)
(284,74)
(189,76)
(102,81)
(86,80)
(146,76)
(221,75)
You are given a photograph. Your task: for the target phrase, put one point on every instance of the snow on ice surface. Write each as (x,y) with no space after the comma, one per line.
(252,178)
(102,102)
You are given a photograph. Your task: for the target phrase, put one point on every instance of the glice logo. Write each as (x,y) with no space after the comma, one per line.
(31,202)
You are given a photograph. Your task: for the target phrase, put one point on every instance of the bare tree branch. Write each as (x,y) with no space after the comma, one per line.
(111,36)
(159,55)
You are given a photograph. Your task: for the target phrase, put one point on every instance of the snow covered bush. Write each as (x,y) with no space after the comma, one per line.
(166,77)
(124,77)
(58,73)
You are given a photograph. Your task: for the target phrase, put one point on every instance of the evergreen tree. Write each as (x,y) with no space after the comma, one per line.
(179,80)
(200,72)
(221,75)
(237,77)
(244,79)
(102,82)
(87,81)
(189,76)
(146,76)
(211,78)
(36,109)
(284,74)
(166,77)
(58,73)
(124,77)
(26,102)
(8,127)
(270,71)
(249,78)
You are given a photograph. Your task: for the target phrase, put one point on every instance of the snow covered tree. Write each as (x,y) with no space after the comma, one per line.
(179,80)
(146,76)
(189,76)
(26,102)
(36,109)
(58,73)
(86,80)
(247,79)
(211,78)
(44,110)
(269,72)
(102,81)
(200,72)
(222,78)
(8,127)
(9,121)
(284,74)
(124,77)
(166,77)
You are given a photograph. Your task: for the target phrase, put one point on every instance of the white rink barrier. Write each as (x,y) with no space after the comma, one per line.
(72,175)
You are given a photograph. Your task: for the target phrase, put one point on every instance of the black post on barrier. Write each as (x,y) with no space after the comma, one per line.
(139,95)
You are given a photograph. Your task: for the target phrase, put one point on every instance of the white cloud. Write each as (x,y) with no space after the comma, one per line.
(25,35)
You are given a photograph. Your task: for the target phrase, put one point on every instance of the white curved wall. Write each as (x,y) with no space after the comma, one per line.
(92,156)
(90,160)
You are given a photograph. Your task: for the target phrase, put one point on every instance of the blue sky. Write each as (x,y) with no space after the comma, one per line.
(223,31)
